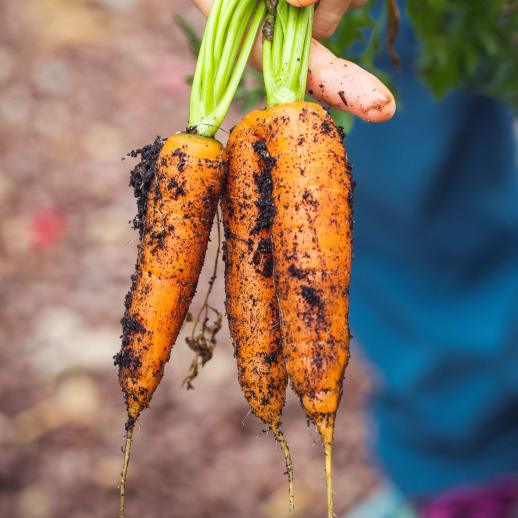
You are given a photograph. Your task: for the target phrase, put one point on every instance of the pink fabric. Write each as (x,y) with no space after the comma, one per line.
(495,500)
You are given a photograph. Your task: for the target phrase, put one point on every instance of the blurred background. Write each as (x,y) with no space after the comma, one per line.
(83,82)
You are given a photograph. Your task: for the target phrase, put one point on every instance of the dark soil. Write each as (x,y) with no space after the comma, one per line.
(265,207)
(342,96)
(263,255)
(311,296)
(297,272)
(264,185)
(141,178)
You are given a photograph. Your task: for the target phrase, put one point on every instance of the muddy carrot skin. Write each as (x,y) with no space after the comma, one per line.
(312,246)
(251,303)
(250,296)
(176,218)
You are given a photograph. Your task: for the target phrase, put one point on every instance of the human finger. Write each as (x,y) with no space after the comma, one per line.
(343,85)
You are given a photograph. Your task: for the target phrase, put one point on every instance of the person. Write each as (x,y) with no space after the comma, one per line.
(434,297)
(434,290)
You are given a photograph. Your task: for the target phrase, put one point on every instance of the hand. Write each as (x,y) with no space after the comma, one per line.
(332,80)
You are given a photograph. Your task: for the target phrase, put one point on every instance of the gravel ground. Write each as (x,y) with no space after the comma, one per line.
(82,82)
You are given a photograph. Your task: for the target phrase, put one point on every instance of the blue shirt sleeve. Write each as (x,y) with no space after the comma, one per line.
(434,294)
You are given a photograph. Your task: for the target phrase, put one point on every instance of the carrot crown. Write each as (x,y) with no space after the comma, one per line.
(286,51)
(232,25)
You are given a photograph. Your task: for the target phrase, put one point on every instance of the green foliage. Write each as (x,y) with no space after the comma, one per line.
(352,29)
(468,43)
(230,33)
(250,91)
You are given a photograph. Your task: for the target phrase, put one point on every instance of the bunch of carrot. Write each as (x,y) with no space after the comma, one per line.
(286,194)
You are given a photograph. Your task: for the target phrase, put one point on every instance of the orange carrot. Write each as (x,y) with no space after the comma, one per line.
(177,213)
(251,304)
(312,246)
(177,197)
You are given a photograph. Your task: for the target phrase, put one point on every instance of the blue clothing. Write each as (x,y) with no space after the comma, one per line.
(434,294)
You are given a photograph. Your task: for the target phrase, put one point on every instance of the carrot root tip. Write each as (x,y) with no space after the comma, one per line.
(279,436)
(329,482)
(124,474)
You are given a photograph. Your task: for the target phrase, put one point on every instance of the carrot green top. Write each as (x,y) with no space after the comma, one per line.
(227,42)
(286,51)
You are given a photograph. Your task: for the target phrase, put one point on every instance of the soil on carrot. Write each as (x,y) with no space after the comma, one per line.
(126,356)
(263,257)
(326,127)
(265,206)
(311,296)
(141,178)
(297,272)
(264,185)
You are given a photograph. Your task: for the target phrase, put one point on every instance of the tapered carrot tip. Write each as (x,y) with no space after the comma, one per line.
(329,481)
(124,473)
(289,464)
(325,427)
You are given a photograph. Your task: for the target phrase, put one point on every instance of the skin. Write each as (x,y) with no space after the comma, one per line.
(367,97)
(312,246)
(251,304)
(179,214)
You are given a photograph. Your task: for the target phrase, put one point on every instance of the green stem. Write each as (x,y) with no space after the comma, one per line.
(298,51)
(278,40)
(225,16)
(204,63)
(236,32)
(227,42)
(286,58)
(289,36)
(237,73)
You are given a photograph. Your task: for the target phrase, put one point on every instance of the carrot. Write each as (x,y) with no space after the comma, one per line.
(308,203)
(312,245)
(251,304)
(177,194)
(180,207)
(178,202)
